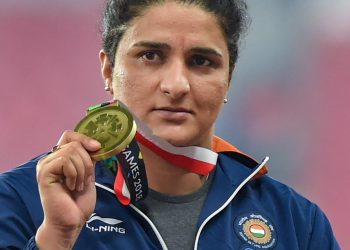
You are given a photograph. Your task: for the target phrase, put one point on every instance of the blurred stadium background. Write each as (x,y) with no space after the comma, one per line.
(289,97)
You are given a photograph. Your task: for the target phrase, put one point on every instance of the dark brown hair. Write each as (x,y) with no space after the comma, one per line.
(231,14)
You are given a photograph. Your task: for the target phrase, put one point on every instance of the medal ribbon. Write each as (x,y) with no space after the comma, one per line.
(131,184)
(131,181)
(191,158)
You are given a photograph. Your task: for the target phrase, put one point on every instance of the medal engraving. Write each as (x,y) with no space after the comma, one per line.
(111,125)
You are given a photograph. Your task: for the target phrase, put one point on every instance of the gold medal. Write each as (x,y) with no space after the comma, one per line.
(111,125)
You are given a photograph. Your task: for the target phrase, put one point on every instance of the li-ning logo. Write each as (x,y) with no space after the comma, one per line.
(99,224)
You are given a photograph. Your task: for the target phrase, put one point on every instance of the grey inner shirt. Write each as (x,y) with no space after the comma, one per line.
(176,217)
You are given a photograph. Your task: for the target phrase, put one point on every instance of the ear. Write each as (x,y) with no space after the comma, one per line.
(106,71)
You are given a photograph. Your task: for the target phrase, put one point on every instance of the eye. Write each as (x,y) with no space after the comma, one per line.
(151,56)
(199,60)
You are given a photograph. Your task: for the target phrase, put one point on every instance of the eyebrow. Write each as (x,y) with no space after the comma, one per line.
(206,51)
(152,45)
(158,45)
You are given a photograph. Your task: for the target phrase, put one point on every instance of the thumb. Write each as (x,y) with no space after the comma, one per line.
(91,144)
(88,143)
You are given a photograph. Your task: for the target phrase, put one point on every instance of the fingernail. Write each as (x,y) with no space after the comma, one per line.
(81,187)
(72,186)
(95,143)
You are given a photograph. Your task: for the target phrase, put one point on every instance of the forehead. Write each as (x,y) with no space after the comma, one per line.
(172,22)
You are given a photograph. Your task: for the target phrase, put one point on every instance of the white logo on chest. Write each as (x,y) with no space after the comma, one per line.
(98,224)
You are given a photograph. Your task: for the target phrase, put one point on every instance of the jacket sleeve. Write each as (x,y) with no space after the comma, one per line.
(17,230)
(322,236)
(31,245)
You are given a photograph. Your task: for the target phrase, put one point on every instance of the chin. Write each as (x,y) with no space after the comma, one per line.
(176,140)
(184,141)
(179,143)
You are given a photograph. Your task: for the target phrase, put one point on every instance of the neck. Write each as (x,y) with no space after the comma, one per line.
(166,178)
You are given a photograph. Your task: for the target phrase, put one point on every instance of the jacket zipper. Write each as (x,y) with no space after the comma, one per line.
(155,230)
(228,201)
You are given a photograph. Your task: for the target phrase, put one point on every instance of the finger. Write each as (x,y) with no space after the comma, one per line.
(57,170)
(88,143)
(49,169)
(88,165)
(80,158)
(82,162)
(70,175)
(80,168)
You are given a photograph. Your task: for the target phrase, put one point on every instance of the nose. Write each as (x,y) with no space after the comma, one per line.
(174,82)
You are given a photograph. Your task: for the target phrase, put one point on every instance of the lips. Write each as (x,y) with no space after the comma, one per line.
(174,109)
(175,114)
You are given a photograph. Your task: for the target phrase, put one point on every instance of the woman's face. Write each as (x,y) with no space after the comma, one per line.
(172,70)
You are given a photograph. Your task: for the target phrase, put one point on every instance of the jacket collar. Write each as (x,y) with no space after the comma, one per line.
(223,147)
(233,171)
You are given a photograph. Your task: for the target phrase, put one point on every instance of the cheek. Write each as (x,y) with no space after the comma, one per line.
(122,87)
(211,97)
(213,108)
(131,91)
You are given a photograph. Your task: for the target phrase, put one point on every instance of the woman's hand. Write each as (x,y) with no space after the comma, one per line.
(66,180)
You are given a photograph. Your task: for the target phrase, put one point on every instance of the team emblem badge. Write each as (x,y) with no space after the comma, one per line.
(256,230)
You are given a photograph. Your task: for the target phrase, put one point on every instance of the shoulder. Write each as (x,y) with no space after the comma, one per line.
(281,194)
(270,186)
(261,187)
(19,189)
(21,212)
(265,193)
(288,207)
(22,176)
(285,204)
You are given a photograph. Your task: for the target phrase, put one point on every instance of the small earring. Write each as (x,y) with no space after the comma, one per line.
(225,100)
(107,88)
